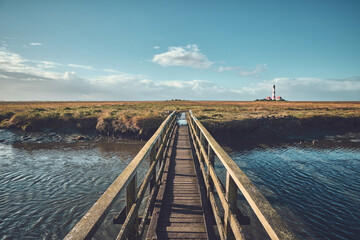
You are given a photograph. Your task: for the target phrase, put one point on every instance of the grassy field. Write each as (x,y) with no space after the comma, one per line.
(143,117)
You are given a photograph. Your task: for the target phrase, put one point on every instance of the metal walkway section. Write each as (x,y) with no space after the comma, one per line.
(178,212)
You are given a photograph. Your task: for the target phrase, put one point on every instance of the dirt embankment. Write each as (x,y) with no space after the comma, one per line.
(246,130)
(131,127)
(285,129)
(231,121)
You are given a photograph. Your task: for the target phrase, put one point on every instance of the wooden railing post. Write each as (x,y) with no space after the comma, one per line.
(202,142)
(152,159)
(231,197)
(197,130)
(130,200)
(211,157)
(158,144)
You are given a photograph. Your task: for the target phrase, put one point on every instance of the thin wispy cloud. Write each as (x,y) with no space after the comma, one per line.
(156,47)
(245,72)
(35,44)
(225,69)
(47,64)
(81,66)
(109,70)
(14,63)
(188,56)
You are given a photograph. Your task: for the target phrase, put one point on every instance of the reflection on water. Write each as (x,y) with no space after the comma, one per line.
(45,188)
(316,190)
(182,119)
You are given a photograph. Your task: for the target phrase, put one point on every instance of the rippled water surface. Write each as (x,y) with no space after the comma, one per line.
(45,188)
(316,190)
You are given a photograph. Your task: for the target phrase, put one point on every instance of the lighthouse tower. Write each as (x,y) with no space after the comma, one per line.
(273,95)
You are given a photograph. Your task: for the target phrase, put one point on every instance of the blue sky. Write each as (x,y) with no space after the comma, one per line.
(196,50)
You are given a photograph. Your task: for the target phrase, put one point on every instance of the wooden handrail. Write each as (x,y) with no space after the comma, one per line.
(275,227)
(90,222)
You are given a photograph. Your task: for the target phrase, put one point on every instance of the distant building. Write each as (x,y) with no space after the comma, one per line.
(273,95)
(273,98)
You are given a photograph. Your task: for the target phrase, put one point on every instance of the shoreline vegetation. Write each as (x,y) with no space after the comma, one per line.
(227,121)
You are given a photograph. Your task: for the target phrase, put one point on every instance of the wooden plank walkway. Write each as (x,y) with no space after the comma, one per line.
(178,211)
(181,204)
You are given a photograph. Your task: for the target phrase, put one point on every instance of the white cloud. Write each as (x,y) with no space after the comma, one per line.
(81,66)
(156,47)
(70,76)
(306,89)
(47,64)
(188,56)
(35,44)
(225,69)
(245,72)
(110,70)
(14,63)
(324,85)
(21,81)
(117,78)
(8,59)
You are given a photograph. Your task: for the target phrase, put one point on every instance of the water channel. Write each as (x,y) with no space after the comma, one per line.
(46,187)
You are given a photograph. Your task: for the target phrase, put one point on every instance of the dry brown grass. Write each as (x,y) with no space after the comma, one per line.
(227,111)
(123,117)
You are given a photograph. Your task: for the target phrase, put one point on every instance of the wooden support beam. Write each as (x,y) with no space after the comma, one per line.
(202,143)
(231,197)
(211,157)
(120,218)
(152,159)
(130,200)
(217,217)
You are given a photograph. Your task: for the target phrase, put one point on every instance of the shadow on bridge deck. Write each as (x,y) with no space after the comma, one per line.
(181,211)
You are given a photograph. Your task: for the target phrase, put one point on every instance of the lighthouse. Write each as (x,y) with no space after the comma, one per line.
(273,95)
(273,98)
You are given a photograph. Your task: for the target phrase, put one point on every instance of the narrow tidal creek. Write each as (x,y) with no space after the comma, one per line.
(45,188)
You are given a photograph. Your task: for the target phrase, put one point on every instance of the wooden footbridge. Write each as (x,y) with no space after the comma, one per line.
(186,199)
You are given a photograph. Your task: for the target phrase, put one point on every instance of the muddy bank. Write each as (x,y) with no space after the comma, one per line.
(276,130)
(16,136)
(249,131)
(83,128)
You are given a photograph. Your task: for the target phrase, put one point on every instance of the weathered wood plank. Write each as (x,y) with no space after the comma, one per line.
(231,196)
(154,190)
(130,200)
(174,220)
(151,233)
(181,209)
(210,192)
(181,235)
(184,227)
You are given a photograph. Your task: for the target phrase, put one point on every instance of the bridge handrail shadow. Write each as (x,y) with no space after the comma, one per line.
(206,148)
(90,222)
